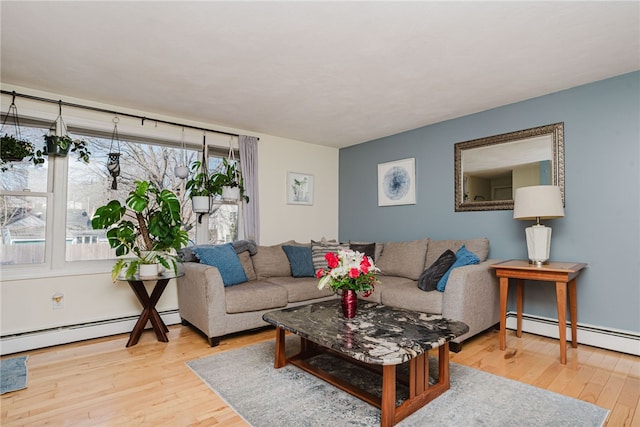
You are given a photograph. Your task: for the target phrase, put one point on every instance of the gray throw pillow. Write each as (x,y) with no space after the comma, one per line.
(432,275)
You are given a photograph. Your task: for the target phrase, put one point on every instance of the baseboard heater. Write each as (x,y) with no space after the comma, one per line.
(32,340)
(616,340)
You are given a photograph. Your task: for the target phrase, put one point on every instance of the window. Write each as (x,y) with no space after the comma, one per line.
(89,186)
(46,210)
(25,195)
(223,219)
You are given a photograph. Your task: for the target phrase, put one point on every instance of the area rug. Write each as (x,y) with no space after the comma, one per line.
(13,374)
(289,397)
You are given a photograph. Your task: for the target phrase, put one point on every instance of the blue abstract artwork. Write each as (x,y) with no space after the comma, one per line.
(396,183)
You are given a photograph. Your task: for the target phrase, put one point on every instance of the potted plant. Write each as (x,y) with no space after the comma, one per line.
(199,187)
(229,180)
(61,145)
(147,226)
(14,149)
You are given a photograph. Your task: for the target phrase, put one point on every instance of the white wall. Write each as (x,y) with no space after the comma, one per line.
(280,221)
(89,294)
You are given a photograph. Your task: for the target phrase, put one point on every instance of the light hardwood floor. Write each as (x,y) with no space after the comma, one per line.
(102,383)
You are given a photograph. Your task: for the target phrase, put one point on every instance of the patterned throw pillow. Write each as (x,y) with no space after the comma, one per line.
(429,279)
(320,249)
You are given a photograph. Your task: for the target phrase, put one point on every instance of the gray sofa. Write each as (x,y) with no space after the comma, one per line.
(471,294)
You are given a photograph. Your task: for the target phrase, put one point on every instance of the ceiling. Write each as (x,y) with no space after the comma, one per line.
(329,73)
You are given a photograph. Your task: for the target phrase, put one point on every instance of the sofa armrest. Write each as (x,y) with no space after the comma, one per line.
(472,295)
(201,296)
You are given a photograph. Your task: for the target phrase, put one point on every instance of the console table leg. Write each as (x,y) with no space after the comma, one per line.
(561,297)
(504,290)
(573,311)
(519,305)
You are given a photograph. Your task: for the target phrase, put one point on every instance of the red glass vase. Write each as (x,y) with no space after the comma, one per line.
(349,303)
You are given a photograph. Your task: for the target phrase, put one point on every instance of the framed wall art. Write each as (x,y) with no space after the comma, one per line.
(299,188)
(397,182)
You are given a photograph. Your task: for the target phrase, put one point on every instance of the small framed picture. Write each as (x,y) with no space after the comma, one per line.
(397,182)
(299,188)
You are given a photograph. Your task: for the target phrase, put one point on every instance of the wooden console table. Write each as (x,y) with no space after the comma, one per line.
(564,275)
(149,312)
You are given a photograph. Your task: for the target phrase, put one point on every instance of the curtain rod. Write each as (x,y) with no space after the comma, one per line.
(102,110)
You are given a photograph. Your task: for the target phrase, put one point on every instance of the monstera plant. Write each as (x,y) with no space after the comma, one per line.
(148,226)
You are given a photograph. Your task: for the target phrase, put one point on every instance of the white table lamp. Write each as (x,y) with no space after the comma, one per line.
(536,203)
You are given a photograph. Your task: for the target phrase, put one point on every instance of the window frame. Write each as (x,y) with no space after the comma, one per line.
(55,264)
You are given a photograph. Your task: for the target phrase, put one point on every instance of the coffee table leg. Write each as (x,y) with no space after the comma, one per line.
(281,358)
(388,402)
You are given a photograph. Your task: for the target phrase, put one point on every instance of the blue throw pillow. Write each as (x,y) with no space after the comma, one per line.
(463,257)
(300,260)
(225,259)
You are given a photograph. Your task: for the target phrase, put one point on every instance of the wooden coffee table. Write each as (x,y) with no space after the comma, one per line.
(380,338)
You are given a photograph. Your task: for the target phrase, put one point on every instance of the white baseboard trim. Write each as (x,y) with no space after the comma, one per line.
(46,338)
(616,340)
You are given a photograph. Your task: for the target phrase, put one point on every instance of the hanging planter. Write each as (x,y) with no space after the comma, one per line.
(13,148)
(59,144)
(230,194)
(113,161)
(200,204)
(229,179)
(182,171)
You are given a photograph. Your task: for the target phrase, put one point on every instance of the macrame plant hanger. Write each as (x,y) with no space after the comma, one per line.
(231,158)
(113,163)
(182,171)
(22,148)
(13,114)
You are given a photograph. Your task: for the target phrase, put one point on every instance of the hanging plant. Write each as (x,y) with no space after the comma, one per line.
(229,179)
(61,145)
(12,147)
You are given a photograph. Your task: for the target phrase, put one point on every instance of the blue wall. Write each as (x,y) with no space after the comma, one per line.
(602,183)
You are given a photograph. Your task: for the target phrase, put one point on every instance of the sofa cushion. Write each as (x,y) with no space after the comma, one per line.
(271,261)
(225,259)
(369,249)
(320,249)
(301,288)
(247,265)
(429,279)
(254,296)
(463,257)
(405,294)
(384,283)
(299,260)
(404,259)
(480,247)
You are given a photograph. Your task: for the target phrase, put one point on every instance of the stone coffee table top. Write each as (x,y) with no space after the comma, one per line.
(378,335)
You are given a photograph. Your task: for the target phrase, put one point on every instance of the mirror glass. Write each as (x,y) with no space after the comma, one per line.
(489,170)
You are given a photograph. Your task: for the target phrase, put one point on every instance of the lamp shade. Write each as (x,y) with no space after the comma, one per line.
(538,201)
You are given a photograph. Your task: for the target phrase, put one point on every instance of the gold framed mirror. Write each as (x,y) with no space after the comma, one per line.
(489,170)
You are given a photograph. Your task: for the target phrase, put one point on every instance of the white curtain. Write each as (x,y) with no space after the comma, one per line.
(248,146)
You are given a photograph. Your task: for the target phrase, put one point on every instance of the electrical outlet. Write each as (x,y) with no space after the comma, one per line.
(57,301)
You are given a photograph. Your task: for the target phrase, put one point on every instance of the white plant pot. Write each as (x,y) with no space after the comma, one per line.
(230,193)
(181,171)
(148,270)
(200,204)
